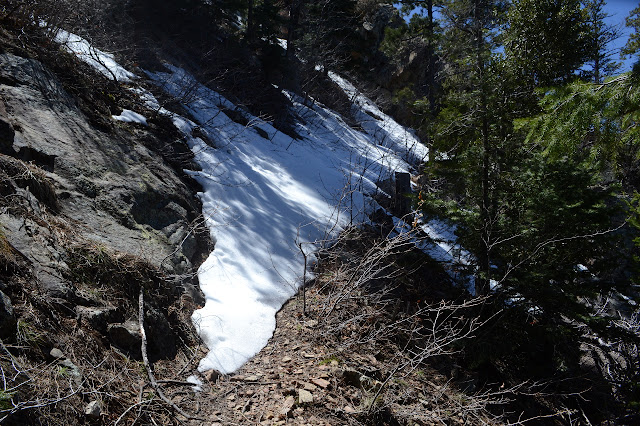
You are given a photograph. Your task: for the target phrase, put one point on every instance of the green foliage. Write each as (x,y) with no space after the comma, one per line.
(5,399)
(531,216)
(63,371)
(420,27)
(600,119)
(329,360)
(404,95)
(547,40)
(634,220)
(393,40)
(553,216)
(547,216)
(633,44)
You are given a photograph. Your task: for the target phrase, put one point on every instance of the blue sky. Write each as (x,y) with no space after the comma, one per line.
(619,10)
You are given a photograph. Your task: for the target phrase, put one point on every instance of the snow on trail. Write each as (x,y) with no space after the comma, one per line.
(264,196)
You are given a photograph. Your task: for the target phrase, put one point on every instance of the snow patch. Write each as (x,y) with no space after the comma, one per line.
(101,61)
(197,382)
(129,116)
(282,43)
(264,197)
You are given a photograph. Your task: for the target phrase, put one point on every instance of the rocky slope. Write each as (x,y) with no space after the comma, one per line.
(93,211)
(101,234)
(96,212)
(114,189)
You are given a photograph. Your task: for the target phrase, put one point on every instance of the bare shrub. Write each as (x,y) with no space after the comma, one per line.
(370,301)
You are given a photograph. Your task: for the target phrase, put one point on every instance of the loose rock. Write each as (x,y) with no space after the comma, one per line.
(305,397)
(321,382)
(98,318)
(286,408)
(93,410)
(57,353)
(72,370)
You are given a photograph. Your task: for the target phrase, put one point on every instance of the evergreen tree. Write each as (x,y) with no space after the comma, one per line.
(523,214)
(467,126)
(600,54)
(632,48)
(547,41)
(421,96)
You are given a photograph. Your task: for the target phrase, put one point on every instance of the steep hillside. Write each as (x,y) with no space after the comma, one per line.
(207,216)
(94,212)
(103,232)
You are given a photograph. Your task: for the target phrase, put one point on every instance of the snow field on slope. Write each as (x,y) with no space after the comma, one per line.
(264,196)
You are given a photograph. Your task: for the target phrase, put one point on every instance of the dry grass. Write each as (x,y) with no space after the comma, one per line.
(26,175)
(37,388)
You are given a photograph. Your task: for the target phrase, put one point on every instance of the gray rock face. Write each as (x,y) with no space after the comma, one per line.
(7,133)
(381,17)
(117,191)
(113,187)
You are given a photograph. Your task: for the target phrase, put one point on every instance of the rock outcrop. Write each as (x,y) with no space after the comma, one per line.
(92,213)
(117,191)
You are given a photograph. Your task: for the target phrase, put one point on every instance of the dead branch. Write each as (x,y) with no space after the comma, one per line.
(145,358)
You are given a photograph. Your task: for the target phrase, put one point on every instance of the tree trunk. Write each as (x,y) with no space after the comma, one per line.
(482,283)
(431,76)
(292,27)
(250,22)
